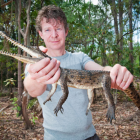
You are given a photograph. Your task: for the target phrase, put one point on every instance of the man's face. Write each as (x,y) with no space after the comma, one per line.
(53,33)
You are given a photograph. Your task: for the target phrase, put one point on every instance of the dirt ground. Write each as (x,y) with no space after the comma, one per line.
(125,127)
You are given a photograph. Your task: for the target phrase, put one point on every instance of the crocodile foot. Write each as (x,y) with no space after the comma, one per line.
(57,109)
(111,113)
(87,111)
(48,99)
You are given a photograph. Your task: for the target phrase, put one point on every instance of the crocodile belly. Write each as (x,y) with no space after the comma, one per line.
(84,85)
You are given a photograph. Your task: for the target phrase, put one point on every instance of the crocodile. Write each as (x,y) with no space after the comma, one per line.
(82,79)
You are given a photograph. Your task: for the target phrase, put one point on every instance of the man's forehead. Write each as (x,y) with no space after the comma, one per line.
(54,22)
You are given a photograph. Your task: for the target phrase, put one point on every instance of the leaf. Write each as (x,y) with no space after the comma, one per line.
(36,118)
(105,137)
(18,108)
(17,114)
(7,83)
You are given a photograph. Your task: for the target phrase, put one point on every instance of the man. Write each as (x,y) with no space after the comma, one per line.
(73,124)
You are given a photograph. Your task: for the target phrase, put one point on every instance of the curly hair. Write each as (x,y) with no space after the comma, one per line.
(51,12)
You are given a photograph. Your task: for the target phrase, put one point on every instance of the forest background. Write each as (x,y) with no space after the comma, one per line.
(108,32)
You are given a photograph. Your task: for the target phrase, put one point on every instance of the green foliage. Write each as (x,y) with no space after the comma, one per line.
(31,103)
(10,81)
(128,99)
(23,76)
(91,30)
(16,107)
(33,118)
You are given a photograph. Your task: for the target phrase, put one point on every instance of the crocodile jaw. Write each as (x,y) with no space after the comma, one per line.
(33,53)
(24,59)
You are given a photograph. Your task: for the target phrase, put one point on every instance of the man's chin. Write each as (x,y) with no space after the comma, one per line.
(56,47)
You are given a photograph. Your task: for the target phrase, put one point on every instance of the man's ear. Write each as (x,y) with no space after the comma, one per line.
(40,33)
(66,32)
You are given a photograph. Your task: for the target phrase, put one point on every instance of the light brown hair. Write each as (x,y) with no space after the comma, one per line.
(51,12)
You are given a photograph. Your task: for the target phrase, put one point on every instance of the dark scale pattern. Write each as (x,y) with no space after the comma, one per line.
(133,95)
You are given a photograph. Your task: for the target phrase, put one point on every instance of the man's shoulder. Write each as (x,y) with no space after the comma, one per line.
(76,54)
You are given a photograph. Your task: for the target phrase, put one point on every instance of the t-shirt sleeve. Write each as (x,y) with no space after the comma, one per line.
(26,72)
(85,59)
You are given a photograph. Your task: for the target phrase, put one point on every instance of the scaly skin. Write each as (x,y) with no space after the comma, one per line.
(133,95)
(81,79)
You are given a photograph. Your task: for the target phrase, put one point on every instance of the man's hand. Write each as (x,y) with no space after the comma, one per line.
(45,71)
(121,78)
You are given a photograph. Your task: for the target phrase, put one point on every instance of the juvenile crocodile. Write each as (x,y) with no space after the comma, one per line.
(82,79)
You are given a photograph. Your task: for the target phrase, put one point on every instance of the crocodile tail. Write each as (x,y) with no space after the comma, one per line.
(133,95)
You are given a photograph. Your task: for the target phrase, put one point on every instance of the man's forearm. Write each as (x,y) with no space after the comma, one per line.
(34,88)
(107,68)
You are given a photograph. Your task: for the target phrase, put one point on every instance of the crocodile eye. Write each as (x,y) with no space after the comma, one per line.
(72,76)
(79,81)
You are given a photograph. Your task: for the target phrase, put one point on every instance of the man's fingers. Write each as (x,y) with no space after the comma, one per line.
(122,74)
(34,68)
(129,81)
(120,77)
(48,68)
(45,70)
(50,74)
(43,49)
(54,78)
(124,79)
(113,75)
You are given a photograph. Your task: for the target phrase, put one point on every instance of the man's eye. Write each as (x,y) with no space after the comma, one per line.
(47,30)
(58,28)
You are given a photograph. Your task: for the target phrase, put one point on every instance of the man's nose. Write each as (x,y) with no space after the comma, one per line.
(54,33)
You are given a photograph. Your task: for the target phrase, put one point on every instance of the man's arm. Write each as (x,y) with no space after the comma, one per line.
(40,74)
(121,78)
(33,87)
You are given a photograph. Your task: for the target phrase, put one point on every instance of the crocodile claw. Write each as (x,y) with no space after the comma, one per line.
(57,109)
(111,113)
(87,111)
(49,99)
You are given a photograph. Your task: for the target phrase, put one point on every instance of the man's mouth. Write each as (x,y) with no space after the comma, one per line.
(54,41)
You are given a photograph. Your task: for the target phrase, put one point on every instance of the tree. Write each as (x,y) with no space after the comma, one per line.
(24,103)
(131,35)
(11,83)
(20,85)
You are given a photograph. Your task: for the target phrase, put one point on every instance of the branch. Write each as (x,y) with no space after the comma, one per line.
(28,18)
(124,35)
(6,3)
(9,105)
(19,15)
(100,26)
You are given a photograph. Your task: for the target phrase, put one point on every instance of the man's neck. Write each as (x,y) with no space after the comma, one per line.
(55,53)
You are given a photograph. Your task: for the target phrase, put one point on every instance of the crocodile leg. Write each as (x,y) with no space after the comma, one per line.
(133,95)
(64,88)
(111,106)
(54,86)
(90,97)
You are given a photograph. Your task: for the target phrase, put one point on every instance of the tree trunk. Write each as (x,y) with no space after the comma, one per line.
(1,88)
(104,55)
(25,99)
(114,13)
(121,27)
(91,51)
(25,115)
(131,37)
(20,85)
